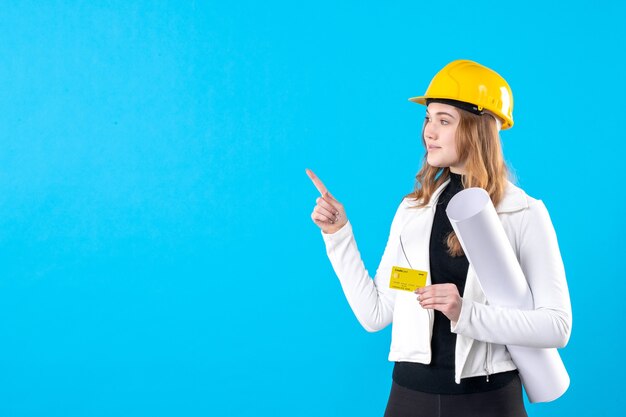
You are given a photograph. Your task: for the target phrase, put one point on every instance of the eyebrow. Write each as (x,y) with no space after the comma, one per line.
(442,113)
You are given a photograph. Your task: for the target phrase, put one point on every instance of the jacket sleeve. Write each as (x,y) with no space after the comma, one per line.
(371,300)
(549,324)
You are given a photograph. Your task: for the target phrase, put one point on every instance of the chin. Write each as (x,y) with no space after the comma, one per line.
(438,164)
(435,164)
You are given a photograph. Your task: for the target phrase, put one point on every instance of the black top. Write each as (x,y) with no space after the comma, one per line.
(438,376)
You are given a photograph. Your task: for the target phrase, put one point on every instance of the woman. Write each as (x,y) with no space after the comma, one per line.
(448,343)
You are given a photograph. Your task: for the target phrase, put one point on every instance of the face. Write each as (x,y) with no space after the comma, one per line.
(439,136)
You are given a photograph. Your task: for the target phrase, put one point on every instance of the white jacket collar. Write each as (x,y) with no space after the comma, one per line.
(514,198)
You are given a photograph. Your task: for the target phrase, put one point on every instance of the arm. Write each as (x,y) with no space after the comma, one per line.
(371,300)
(549,324)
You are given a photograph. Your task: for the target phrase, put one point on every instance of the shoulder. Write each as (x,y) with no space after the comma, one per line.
(523,217)
(525,213)
(405,204)
(410,203)
(515,199)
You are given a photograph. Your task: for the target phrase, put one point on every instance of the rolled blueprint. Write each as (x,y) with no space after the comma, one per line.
(488,250)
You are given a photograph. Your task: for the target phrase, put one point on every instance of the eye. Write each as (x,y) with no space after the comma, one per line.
(444,122)
(427,119)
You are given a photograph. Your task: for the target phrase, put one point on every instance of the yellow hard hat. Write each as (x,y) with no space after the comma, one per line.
(469,82)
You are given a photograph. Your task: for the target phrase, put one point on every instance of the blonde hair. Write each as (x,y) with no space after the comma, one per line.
(478,144)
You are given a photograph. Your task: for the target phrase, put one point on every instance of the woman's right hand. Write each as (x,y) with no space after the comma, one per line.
(329,214)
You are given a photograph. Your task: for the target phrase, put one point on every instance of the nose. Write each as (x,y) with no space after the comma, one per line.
(429,131)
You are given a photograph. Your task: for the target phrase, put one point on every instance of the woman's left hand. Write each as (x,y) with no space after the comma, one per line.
(442,297)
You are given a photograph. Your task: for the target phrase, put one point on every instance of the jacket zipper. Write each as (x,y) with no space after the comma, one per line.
(487,360)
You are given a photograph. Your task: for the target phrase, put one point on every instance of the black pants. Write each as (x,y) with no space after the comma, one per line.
(504,402)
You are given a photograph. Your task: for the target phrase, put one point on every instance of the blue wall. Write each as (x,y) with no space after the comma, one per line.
(157,255)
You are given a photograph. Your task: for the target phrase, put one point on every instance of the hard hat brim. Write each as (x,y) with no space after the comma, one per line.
(419,99)
(506,124)
(422,99)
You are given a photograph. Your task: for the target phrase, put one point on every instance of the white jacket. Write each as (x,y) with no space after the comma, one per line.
(482,330)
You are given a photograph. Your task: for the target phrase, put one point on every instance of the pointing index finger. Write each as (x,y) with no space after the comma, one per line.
(317,182)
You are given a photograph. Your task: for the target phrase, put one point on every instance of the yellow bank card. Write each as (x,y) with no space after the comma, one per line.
(407,279)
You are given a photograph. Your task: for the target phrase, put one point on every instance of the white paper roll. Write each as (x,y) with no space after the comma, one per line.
(488,250)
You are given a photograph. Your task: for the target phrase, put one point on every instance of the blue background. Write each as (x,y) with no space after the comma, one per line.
(157,255)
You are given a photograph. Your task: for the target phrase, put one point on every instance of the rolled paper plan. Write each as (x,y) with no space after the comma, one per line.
(489,252)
